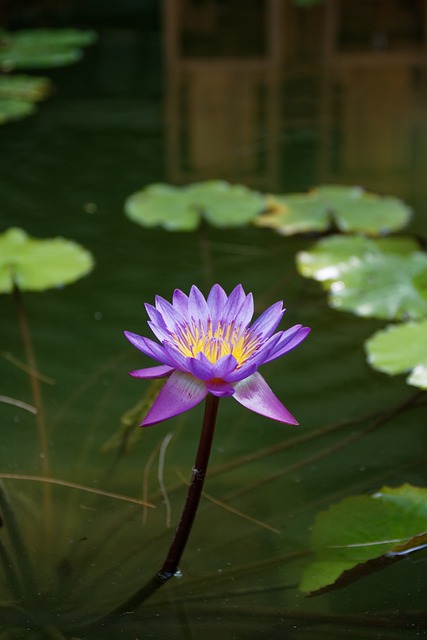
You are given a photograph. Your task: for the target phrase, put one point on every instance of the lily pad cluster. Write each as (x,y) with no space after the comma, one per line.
(384,278)
(34,49)
(346,209)
(34,264)
(184,208)
(364,534)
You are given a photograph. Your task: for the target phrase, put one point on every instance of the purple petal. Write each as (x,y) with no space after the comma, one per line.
(155,315)
(255,394)
(200,367)
(245,313)
(224,366)
(217,300)
(233,304)
(288,341)
(220,388)
(152,372)
(268,321)
(180,302)
(242,372)
(149,348)
(161,333)
(170,315)
(180,392)
(197,306)
(178,360)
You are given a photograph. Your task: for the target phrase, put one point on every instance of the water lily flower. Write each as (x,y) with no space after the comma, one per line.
(208,346)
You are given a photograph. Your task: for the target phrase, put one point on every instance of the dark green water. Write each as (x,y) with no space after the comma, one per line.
(104,134)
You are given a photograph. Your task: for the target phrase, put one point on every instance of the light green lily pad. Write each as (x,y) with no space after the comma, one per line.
(399,349)
(35,265)
(41,48)
(182,208)
(363,534)
(334,255)
(383,278)
(21,87)
(349,209)
(15,109)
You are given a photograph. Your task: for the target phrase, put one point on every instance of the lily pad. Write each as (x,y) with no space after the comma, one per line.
(15,109)
(41,48)
(182,208)
(399,349)
(21,87)
(363,534)
(383,278)
(349,209)
(35,265)
(332,256)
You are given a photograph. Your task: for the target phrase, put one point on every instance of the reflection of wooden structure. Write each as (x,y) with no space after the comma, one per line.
(372,78)
(222,90)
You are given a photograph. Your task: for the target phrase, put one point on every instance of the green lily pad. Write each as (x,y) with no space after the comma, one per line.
(41,48)
(21,87)
(182,208)
(383,278)
(363,534)
(399,349)
(15,109)
(35,265)
(334,255)
(349,209)
(53,37)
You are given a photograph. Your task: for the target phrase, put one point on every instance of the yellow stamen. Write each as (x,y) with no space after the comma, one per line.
(216,342)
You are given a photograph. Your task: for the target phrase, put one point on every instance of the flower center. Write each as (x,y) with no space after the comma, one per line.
(214,343)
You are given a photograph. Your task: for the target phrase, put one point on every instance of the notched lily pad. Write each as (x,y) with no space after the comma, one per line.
(349,209)
(39,48)
(35,265)
(399,349)
(383,278)
(182,208)
(363,534)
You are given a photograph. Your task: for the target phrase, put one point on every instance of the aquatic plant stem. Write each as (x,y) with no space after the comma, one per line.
(183,530)
(37,401)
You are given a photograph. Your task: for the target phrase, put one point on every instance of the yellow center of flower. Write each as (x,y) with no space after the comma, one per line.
(216,343)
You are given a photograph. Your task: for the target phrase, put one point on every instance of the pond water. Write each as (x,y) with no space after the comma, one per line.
(125,117)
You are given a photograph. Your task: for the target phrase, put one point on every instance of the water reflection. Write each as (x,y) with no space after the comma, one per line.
(373,95)
(242,81)
(222,95)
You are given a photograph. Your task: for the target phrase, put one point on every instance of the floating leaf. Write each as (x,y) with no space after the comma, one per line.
(181,208)
(332,256)
(21,87)
(399,349)
(383,278)
(363,534)
(350,209)
(35,265)
(53,37)
(15,109)
(39,48)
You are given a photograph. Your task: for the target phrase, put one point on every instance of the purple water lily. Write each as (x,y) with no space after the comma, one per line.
(208,346)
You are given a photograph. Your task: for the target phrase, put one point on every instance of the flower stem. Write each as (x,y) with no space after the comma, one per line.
(183,530)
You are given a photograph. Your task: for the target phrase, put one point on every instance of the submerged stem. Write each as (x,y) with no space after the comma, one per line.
(38,403)
(34,381)
(183,530)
